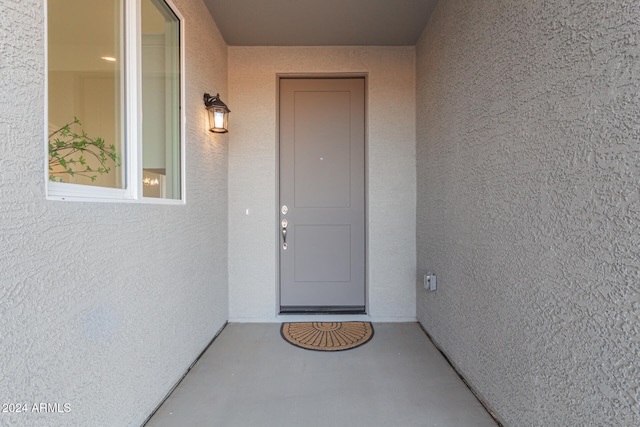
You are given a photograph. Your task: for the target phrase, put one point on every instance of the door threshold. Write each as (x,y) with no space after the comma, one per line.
(355,309)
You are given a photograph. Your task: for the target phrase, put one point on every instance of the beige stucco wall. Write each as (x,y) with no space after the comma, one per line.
(253,176)
(104,305)
(528,152)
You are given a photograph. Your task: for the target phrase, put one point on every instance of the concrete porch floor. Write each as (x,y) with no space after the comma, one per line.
(251,377)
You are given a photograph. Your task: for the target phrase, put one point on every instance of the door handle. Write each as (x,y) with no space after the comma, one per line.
(285,223)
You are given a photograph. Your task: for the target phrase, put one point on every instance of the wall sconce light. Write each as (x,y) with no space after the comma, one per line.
(218,113)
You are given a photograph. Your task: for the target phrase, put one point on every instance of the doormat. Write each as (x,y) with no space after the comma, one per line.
(327,336)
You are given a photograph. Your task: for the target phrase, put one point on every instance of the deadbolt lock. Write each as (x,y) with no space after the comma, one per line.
(285,209)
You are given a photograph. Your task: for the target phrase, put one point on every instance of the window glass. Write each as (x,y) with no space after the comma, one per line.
(85,69)
(160,100)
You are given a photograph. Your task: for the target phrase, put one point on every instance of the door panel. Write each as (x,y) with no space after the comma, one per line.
(322,149)
(322,185)
(318,246)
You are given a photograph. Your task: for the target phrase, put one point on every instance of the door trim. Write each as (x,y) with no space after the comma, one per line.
(338,75)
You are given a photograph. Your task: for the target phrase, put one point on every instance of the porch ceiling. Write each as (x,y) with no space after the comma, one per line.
(321,22)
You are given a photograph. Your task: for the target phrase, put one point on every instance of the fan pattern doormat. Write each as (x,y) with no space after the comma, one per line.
(327,336)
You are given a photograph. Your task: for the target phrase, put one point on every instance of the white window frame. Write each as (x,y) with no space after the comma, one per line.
(132,150)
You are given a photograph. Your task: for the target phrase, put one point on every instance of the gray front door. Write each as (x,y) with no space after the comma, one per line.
(322,216)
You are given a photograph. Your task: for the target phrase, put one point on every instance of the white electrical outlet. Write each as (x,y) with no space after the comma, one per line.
(430,282)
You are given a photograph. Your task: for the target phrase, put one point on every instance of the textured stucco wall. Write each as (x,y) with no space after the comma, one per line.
(253,166)
(104,305)
(528,173)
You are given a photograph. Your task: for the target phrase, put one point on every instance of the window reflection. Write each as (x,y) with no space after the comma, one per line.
(85,42)
(160,99)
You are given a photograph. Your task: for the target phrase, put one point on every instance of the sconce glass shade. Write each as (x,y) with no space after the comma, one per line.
(218,113)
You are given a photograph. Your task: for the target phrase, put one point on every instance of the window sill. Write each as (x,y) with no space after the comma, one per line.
(82,193)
